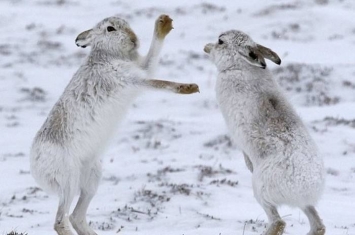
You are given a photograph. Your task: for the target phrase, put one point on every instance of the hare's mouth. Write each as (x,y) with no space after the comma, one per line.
(135,43)
(132,36)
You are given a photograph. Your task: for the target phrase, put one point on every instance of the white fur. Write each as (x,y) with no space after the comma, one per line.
(287,168)
(66,150)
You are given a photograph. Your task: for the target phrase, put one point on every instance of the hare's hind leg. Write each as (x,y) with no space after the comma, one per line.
(89,182)
(276,224)
(317,226)
(62,224)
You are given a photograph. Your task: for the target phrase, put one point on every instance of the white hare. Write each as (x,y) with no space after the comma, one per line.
(278,150)
(65,152)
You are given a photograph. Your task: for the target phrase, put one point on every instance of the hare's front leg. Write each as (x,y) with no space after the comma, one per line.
(89,182)
(248,162)
(163,25)
(180,88)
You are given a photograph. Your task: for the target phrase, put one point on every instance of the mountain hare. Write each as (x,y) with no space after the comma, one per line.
(65,152)
(277,147)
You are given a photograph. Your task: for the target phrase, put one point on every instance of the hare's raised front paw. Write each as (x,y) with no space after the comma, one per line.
(163,25)
(187,88)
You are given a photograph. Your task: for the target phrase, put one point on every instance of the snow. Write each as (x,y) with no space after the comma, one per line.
(171,168)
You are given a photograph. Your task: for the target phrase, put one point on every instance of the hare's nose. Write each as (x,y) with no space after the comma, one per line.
(78,44)
(208,48)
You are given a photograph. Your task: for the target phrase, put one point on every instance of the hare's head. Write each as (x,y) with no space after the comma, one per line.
(112,35)
(234,46)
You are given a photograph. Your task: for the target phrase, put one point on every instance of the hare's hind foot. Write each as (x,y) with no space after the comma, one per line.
(276,228)
(62,224)
(63,227)
(89,183)
(277,225)
(163,25)
(187,88)
(317,226)
(78,217)
(81,227)
(319,231)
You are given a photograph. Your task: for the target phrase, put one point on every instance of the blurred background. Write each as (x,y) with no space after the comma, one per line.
(172,168)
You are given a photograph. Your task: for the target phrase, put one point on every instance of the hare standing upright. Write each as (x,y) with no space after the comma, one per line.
(65,152)
(277,147)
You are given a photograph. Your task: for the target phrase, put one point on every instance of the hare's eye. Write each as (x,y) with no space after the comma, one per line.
(220,42)
(110,29)
(253,55)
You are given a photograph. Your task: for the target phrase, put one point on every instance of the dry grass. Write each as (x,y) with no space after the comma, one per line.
(16,233)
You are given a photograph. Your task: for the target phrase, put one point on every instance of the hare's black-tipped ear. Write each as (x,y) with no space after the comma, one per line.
(84,39)
(253,57)
(269,54)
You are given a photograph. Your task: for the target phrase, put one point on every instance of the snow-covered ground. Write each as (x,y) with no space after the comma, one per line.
(171,168)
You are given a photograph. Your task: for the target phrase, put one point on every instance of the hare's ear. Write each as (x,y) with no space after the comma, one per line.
(269,54)
(253,56)
(84,39)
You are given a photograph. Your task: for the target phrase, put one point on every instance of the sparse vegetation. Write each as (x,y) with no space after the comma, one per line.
(222,142)
(308,82)
(103,226)
(254,225)
(334,121)
(224,182)
(150,134)
(209,172)
(333,172)
(35,94)
(16,233)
